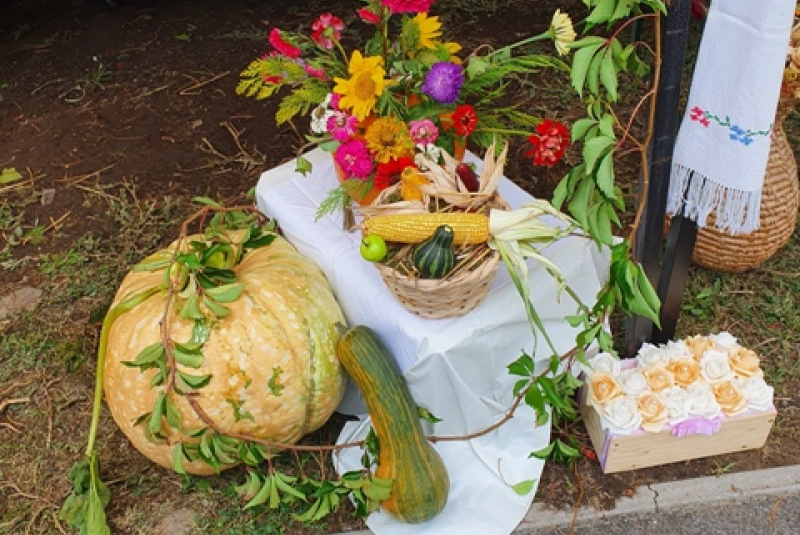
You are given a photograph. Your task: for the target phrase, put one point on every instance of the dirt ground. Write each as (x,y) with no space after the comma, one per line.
(97,101)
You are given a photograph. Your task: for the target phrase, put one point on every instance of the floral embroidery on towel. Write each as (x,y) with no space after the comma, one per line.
(736,132)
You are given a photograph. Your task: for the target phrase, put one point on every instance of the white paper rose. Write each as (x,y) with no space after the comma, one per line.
(621,416)
(758,393)
(702,401)
(678,403)
(604,363)
(677,350)
(724,341)
(632,382)
(650,355)
(715,367)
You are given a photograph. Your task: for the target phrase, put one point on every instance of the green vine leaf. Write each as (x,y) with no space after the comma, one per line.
(524,487)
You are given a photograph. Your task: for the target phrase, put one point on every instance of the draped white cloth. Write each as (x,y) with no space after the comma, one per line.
(723,143)
(454,367)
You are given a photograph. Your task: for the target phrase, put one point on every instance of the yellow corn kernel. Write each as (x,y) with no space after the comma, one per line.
(469,228)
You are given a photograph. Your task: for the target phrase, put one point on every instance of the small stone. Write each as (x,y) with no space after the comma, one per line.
(21,299)
(177,522)
(48,195)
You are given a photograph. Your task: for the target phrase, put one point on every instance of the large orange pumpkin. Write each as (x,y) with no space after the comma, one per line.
(272,360)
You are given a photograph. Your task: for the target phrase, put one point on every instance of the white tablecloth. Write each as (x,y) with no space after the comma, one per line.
(455,367)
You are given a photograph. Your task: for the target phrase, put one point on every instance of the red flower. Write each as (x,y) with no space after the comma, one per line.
(548,143)
(327,29)
(368,16)
(389,173)
(465,120)
(284,47)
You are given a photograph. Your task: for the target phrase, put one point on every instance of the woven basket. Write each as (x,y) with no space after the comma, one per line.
(454,295)
(721,251)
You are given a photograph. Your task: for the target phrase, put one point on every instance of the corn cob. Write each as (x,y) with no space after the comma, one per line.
(470,228)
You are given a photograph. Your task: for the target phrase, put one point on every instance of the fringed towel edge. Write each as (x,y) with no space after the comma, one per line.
(696,196)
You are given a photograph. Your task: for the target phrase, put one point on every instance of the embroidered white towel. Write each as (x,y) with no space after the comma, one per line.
(723,143)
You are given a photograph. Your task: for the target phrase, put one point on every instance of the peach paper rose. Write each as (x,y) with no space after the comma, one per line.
(685,371)
(745,363)
(730,397)
(653,410)
(698,345)
(658,378)
(603,388)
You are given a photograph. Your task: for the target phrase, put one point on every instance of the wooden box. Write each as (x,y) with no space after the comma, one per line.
(618,453)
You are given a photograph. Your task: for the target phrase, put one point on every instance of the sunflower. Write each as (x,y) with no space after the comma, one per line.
(427,30)
(388,138)
(360,92)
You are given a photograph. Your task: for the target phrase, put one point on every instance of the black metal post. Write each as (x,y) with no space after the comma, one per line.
(649,237)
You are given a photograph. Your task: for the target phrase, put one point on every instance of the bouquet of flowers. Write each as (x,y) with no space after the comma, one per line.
(402,95)
(689,385)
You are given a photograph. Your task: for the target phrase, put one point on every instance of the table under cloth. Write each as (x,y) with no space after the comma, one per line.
(455,367)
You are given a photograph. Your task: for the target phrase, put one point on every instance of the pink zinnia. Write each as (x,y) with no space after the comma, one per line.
(423,132)
(408,6)
(342,126)
(335,98)
(368,16)
(284,47)
(327,29)
(354,159)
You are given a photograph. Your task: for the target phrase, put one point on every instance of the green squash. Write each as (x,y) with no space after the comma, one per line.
(420,483)
(435,258)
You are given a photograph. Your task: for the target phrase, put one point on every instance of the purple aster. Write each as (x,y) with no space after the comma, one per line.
(354,159)
(443,82)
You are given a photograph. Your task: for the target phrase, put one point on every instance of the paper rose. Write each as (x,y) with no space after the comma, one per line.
(698,345)
(677,350)
(724,341)
(685,371)
(758,393)
(745,363)
(621,416)
(678,402)
(653,410)
(715,367)
(702,401)
(604,363)
(603,388)
(650,355)
(658,378)
(632,382)
(730,397)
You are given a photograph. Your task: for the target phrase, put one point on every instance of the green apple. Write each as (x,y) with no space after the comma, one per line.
(373,248)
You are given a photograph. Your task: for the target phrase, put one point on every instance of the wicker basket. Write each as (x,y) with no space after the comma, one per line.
(721,251)
(454,295)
